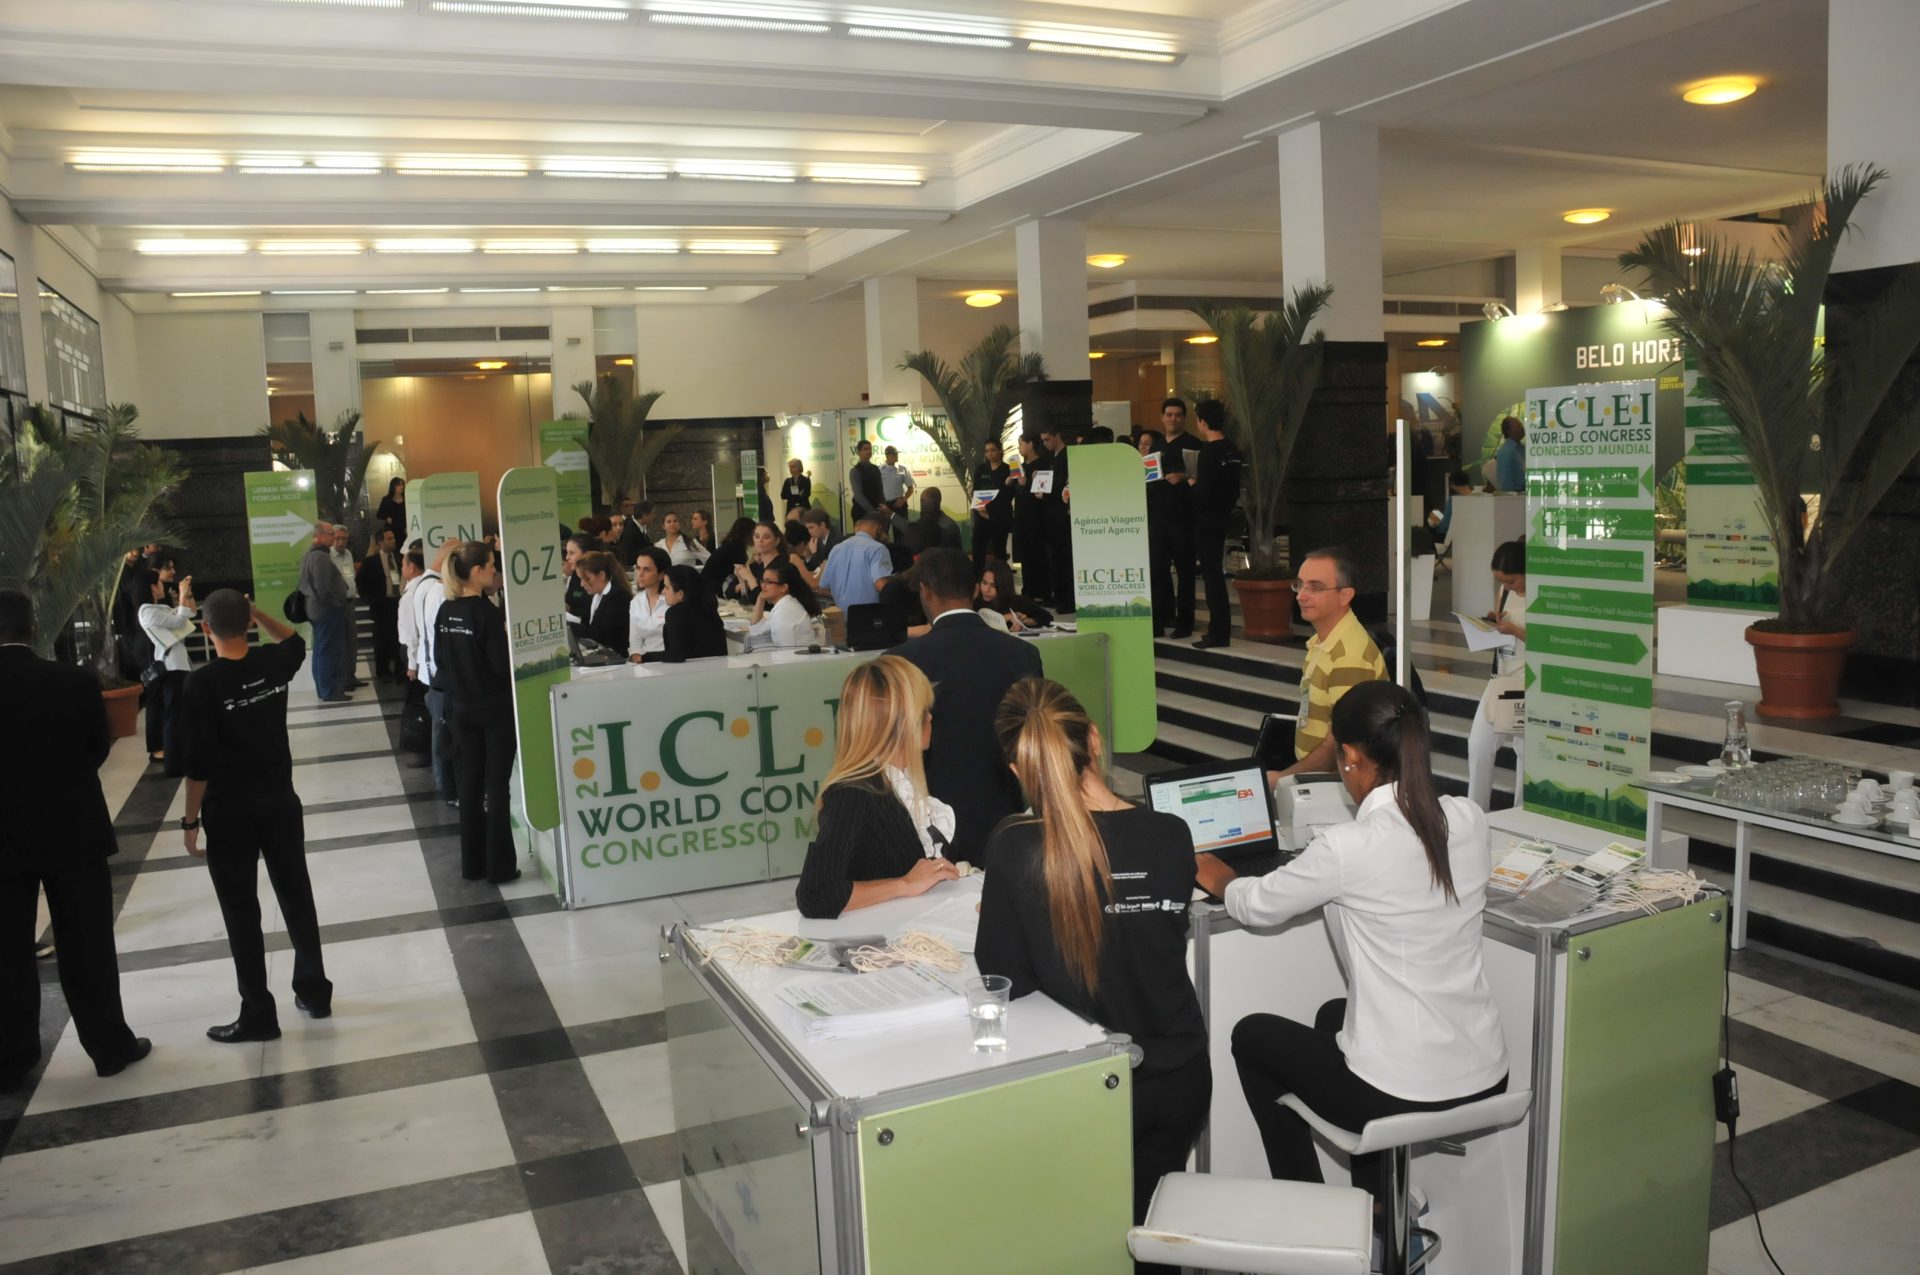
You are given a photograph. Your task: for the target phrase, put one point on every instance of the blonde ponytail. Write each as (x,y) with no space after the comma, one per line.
(1047,739)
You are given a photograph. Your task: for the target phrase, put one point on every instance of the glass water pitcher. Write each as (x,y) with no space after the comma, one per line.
(1736,753)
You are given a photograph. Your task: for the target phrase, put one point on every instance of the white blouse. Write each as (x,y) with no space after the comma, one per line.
(647,623)
(1421,1023)
(168,629)
(787,623)
(929,813)
(687,552)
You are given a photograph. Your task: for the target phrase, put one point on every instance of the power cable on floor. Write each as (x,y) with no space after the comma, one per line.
(1726,1090)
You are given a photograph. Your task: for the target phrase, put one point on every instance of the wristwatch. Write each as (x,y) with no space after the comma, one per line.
(189,825)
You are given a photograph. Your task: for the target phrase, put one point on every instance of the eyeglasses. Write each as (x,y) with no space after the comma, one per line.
(1314,586)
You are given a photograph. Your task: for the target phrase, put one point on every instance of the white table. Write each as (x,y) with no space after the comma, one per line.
(1697,795)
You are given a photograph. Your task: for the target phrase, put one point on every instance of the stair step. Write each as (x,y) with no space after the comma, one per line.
(1857,938)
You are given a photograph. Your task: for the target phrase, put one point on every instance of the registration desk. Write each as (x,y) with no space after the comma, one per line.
(910,1154)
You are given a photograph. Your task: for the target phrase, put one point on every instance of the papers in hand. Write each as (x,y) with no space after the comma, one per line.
(906,996)
(1154,471)
(1041,483)
(983,497)
(1481,635)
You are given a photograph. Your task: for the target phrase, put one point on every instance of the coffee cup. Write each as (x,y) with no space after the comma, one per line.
(1900,779)
(1913,829)
(1905,808)
(1867,790)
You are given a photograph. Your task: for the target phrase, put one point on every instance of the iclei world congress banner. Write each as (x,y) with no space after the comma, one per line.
(1112,593)
(280,518)
(1730,557)
(536,629)
(443,507)
(1590,456)
(563,449)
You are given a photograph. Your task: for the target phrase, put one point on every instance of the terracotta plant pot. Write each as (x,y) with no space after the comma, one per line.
(1800,672)
(123,709)
(1266,609)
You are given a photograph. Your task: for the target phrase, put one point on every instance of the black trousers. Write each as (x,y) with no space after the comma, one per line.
(482,768)
(1036,570)
(388,659)
(1276,1056)
(1169,1110)
(242,830)
(163,719)
(1160,587)
(1180,555)
(80,900)
(1210,549)
(989,541)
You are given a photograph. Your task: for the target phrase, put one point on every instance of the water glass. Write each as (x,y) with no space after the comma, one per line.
(987,1001)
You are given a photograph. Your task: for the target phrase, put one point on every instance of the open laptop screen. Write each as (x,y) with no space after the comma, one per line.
(1226,805)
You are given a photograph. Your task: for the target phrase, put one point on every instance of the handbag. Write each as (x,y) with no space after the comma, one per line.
(295,608)
(416,723)
(152,673)
(1506,702)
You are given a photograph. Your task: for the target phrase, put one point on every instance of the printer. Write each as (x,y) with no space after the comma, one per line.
(1305,803)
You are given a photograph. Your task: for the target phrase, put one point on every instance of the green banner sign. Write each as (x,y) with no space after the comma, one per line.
(535,594)
(1730,557)
(443,507)
(750,485)
(1111,589)
(1590,684)
(563,449)
(280,518)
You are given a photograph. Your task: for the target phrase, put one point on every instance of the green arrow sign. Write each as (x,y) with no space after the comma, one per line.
(1602,483)
(1588,564)
(1575,603)
(1587,644)
(1612,688)
(1561,523)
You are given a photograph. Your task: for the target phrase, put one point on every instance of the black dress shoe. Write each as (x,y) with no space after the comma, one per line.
(141,1048)
(313,1011)
(1181,633)
(503,880)
(1210,644)
(44,952)
(240,1031)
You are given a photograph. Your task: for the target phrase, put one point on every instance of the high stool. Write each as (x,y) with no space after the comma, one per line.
(1256,1226)
(1395,1136)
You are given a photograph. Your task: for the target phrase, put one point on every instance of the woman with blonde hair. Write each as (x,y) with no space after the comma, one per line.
(1087,902)
(880,835)
(470,650)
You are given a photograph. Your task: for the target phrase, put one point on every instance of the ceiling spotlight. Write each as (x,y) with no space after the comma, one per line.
(1205,338)
(1615,293)
(1718,92)
(623,362)
(1587,216)
(1436,371)
(984,300)
(1554,308)
(1096,354)
(1106,260)
(491,365)
(1497,310)
(1432,343)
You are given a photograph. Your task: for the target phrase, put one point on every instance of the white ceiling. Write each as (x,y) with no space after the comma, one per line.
(1497,116)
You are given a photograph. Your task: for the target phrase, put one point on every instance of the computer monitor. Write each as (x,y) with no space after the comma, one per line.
(587,652)
(876,626)
(1226,805)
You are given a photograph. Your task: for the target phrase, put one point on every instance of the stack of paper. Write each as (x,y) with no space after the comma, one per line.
(1597,884)
(897,999)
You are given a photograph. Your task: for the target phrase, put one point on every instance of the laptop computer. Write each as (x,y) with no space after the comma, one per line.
(1227,807)
(588,653)
(1273,749)
(876,626)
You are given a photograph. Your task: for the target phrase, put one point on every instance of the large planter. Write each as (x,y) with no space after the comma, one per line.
(1800,672)
(123,709)
(1266,609)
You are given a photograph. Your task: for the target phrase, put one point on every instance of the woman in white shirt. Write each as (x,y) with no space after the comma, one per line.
(682,550)
(1510,617)
(168,628)
(784,614)
(647,611)
(1403,886)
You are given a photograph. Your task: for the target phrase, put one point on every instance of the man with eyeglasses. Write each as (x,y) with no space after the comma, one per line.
(1340,656)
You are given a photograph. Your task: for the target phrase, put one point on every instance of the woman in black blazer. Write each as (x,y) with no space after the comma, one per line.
(730,553)
(692,629)
(471,652)
(880,835)
(607,599)
(578,546)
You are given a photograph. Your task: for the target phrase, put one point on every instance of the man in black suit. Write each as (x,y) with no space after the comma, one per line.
(971,667)
(55,831)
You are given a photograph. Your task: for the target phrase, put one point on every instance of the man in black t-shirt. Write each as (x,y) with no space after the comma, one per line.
(1178,462)
(1216,489)
(240,777)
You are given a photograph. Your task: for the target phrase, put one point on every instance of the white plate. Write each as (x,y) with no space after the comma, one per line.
(1865,821)
(1702,772)
(1665,777)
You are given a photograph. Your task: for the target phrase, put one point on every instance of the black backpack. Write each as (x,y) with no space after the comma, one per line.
(295,607)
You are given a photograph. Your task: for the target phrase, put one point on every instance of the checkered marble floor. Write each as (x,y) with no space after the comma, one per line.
(491,1095)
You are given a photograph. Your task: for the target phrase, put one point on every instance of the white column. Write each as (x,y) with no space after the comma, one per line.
(572,330)
(1330,222)
(26,266)
(336,386)
(893,332)
(1536,277)
(1872,101)
(1052,259)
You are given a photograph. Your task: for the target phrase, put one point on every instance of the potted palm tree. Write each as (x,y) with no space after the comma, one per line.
(1825,437)
(620,446)
(1269,368)
(977,396)
(77,500)
(336,457)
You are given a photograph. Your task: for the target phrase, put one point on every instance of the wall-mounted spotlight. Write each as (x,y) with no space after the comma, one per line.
(1497,310)
(1615,293)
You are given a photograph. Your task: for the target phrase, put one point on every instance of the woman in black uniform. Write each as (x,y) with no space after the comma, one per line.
(470,650)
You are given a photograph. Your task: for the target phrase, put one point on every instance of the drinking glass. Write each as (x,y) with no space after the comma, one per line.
(987,998)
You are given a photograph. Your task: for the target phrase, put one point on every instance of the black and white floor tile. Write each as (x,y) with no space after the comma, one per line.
(491,1093)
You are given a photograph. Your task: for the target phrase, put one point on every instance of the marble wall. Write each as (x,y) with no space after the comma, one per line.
(1336,490)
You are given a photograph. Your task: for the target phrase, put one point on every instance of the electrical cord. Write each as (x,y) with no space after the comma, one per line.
(1726,1091)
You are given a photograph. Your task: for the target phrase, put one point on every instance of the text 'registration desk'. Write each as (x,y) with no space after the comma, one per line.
(904,1155)
(680,777)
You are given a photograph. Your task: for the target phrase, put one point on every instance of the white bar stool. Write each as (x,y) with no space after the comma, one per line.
(1394,1137)
(1257,1226)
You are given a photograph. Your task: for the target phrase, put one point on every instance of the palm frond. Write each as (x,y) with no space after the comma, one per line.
(620,446)
(338,461)
(976,397)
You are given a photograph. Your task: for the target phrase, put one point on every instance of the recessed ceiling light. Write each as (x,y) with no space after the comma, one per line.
(460,166)
(633,245)
(984,300)
(499,290)
(623,362)
(404,292)
(864,175)
(739,24)
(534,9)
(709,170)
(612,169)
(736,247)
(491,365)
(312,248)
(423,245)
(312,292)
(931,37)
(1096,354)
(1102,51)
(1107,260)
(190,247)
(233,293)
(531,247)
(1432,343)
(352,4)
(670,287)
(1205,338)
(586,287)
(146,161)
(300,166)
(1586,216)
(1720,91)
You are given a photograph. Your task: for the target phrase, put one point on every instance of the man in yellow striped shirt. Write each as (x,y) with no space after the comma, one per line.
(1340,656)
